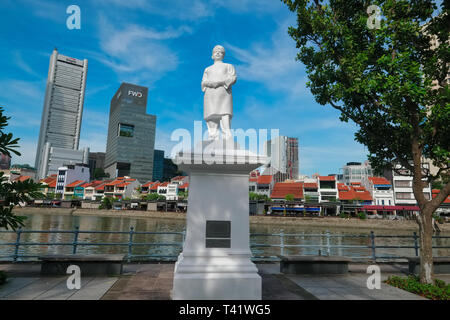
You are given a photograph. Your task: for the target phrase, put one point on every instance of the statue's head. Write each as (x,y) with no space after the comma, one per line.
(218,53)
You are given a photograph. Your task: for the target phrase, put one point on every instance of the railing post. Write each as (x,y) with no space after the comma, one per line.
(328,243)
(75,240)
(416,246)
(282,242)
(16,250)
(184,236)
(130,244)
(372,239)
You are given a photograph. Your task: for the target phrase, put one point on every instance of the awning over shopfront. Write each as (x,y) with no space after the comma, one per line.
(391,208)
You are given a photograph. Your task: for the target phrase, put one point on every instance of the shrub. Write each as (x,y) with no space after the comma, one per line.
(344,215)
(362,215)
(439,291)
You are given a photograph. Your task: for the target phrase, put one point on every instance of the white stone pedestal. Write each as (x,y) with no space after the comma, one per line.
(214,265)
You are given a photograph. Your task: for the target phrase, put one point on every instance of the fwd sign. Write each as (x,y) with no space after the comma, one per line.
(137,94)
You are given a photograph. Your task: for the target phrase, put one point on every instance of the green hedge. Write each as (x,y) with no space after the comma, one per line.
(439,291)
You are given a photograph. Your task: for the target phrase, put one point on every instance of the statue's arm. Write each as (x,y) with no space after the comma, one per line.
(231,77)
(205,82)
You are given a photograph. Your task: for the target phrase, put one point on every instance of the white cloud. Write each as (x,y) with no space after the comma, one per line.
(272,63)
(137,53)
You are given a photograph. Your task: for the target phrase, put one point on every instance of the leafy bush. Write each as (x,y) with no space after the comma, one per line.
(2,277)
(439,291)
(362,215)
(344,215)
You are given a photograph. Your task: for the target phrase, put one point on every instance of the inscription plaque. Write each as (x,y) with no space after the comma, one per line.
(218,234)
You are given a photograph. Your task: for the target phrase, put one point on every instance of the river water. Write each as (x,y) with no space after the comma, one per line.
(94,223)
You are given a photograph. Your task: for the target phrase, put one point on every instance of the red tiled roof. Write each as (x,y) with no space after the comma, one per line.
(49,179)
(267,179)
(84,185)
(164,184)
(123,184)
(75,184)
(253,179)
(184,185)
(355,183)
(155,186)
(22,178)
(435,192)
(114,182)
(310,185)
(102,186)
(327,178)
(178,178)
(52,184)
(148,184)
(379,180)
(281,189)
(353,193)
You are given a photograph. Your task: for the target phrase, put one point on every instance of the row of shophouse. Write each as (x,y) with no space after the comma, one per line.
(71,182)
(375,194)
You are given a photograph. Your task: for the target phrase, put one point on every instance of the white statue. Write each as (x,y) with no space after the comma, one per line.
(218,101)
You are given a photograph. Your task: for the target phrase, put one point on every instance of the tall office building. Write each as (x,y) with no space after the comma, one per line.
(63,108)
(355,172)
(283,154)
(158,165)
(131,134)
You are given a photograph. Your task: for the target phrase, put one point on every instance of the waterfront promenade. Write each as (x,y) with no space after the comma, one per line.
(153,281)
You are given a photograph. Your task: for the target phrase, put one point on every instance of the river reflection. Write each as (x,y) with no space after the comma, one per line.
(93,223)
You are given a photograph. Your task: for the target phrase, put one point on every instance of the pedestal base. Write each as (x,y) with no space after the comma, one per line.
(216,286)
(216,260)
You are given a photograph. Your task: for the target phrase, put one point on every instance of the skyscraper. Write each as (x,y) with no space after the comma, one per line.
(283,154)
(131,134)
(63,108)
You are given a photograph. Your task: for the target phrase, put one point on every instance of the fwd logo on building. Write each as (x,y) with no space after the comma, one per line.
(137,94)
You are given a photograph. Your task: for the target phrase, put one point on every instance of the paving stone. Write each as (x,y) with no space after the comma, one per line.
(14,284)
(95,289)
(36,288)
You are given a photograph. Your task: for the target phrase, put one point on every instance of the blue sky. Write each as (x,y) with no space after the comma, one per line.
(165,45)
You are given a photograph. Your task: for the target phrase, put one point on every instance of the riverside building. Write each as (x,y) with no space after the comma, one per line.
(62,112)
(131,135)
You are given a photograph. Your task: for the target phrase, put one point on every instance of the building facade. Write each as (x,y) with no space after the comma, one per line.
(63,107)
(283,154)
(54,158)
(131,134)
(158,165)
(355,172)
(69,174)
(96,161)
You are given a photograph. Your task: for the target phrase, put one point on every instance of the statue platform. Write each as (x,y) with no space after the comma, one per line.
(215,263)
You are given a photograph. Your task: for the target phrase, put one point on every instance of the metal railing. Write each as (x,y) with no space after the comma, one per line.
(325,246)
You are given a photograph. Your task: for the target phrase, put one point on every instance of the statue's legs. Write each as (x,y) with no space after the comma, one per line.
(225,124)
(213,126)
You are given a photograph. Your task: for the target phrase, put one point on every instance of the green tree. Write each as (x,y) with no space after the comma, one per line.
(99,173)
(289,197)
(13,193)
(388,80)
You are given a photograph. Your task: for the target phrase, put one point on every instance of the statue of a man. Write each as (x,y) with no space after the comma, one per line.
(218,101)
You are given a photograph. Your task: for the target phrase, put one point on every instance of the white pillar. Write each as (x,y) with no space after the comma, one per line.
(215,263)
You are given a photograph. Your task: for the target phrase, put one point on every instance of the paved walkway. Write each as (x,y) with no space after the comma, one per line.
(153,281)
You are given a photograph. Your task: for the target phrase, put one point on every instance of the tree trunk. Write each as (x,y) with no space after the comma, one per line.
(426,254)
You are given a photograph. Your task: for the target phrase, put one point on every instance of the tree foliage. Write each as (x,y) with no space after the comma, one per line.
(15,192)
(391,80)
